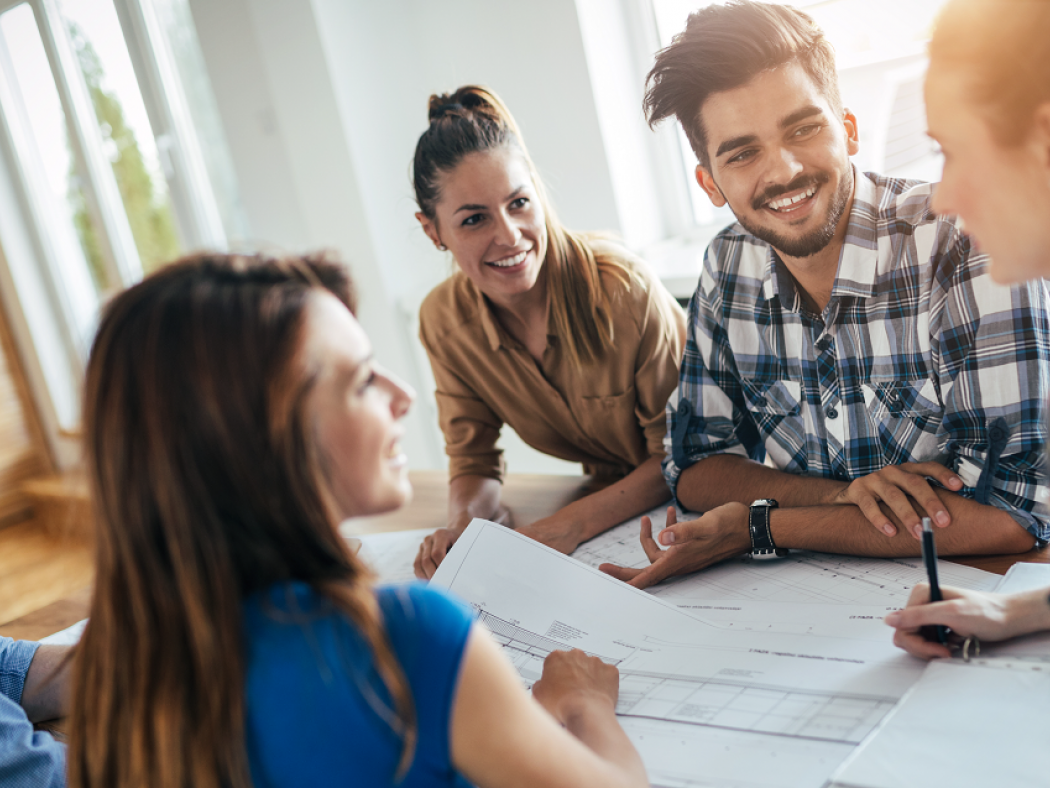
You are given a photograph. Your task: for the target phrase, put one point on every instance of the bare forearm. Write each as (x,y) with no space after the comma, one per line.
(637,492)
(594,723)
(725,478)
(1028,611)
(976,529)
(470,497)
(45,695)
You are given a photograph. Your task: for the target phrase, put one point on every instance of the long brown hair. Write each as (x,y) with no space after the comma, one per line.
(472,119)
(207,486)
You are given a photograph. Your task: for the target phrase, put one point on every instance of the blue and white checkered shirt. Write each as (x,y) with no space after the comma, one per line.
(918,356)
(28,759)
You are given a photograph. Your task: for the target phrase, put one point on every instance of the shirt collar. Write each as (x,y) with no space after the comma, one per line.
(489,324)
(858,260)
(495,334)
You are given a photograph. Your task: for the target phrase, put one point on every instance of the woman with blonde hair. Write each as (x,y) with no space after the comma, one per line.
(988,106)
(564,336)
(234,416)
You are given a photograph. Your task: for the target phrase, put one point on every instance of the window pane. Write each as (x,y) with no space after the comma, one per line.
(46,155)
(176,23)
(124,125)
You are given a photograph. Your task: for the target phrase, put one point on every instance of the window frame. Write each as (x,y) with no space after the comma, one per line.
(51,308)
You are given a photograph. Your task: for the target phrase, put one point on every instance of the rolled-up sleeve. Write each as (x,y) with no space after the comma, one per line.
(28,758)
(656,371)
(470,427)
(707,414)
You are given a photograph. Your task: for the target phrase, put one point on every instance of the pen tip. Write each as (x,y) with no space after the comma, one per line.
(927,524)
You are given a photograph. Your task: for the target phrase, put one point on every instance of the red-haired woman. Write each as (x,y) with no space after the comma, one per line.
(988,105)
(564,336)
(234,416)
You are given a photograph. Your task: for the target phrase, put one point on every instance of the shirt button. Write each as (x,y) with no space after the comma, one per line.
(831,413)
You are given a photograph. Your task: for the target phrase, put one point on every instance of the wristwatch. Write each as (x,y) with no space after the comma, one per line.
(762,545)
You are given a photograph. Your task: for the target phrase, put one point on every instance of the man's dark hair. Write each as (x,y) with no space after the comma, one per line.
(726,46)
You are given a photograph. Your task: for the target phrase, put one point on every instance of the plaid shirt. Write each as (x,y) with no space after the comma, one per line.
(918,356)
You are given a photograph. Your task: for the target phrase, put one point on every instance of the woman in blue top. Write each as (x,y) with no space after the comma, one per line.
(233,417)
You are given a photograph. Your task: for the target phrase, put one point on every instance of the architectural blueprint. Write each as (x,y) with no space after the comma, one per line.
(688,685)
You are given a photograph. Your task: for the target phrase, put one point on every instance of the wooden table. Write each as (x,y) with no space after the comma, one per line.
(529,496)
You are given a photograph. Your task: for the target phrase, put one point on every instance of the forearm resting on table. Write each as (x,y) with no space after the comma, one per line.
(976,529)
(723,478)
(45,694)
(472,496)
(637,492)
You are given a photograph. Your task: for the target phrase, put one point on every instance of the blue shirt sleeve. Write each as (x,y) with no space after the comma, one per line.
(15,656)
(317,711)
(28,759)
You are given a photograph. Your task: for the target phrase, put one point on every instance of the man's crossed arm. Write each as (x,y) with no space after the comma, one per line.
(820,514)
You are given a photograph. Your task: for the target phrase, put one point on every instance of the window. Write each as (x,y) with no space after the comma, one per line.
(880,51)
(112,162)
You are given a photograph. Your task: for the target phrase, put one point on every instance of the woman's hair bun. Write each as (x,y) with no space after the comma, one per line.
(462,102)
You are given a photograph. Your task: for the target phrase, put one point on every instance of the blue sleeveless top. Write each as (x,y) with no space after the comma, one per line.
(308,721)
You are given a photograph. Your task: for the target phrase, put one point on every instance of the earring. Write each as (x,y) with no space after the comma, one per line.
(442,248)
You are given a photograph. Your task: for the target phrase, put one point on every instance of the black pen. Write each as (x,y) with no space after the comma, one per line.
(929,557)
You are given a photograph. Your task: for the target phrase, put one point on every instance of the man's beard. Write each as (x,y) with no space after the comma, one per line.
(815,241)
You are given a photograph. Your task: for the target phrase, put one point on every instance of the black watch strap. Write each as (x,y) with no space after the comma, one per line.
(762,545)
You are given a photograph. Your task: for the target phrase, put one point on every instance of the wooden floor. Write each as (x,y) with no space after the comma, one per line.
(37,569)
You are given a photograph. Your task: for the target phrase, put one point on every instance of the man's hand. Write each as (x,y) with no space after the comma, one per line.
(558,532)
(720,534)
(900,487)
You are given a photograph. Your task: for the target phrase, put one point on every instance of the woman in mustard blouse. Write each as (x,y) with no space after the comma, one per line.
(567,337)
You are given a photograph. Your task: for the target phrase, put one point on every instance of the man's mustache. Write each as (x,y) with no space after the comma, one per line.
(801,182)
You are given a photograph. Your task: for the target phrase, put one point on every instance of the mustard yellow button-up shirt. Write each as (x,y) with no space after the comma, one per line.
(609,415)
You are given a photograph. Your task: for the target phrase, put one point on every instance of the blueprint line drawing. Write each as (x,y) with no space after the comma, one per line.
(718,703)
(705,704)
(527,650)
(825,716)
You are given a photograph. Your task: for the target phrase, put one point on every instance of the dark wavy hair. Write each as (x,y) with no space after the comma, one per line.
(724,47)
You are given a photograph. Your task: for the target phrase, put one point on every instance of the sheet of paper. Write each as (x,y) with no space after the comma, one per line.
(799,577)
(67,637)
(978,724)
(391,555)
(800,687)
(1025,577)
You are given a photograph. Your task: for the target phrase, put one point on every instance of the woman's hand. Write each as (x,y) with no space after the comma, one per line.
(900,487)
(558,531)
(987,616)
(436,546)
(572,680)
(433,550)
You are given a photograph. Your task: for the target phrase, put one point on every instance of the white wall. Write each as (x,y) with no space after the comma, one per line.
(322,102)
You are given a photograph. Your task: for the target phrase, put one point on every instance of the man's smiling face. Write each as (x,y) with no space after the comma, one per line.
(779,155)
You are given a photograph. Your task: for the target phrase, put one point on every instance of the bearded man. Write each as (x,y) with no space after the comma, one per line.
(840,331)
